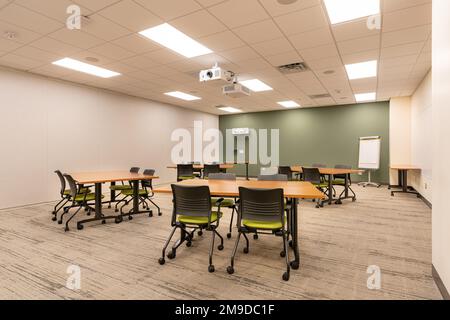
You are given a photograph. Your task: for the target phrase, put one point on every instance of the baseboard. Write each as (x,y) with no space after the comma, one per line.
(440,284)
(428,203)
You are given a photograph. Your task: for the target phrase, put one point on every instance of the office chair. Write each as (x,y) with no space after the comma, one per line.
(185,172)
(262,211)
(313,175)
(145,194)
(227,203)
(122,187)
(192,209)
(209,169)
(286,170)
(318,165)
(79,200)
(339,180)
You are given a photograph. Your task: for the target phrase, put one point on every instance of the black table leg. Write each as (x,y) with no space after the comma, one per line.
(330,189)
(135,196)
(295,264)
(135,210)
(403,174)
(246,171)
(113,193)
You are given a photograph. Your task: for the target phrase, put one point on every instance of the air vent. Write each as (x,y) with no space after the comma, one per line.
(320,96)
(293,68)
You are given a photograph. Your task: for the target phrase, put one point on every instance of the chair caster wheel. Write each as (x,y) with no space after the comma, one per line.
(295,265)
(230,270)
(282,254)
(116,210)
(54,219)
(159,213)
(291,244)
(80,227)
(118,220)
(104,222)
(60,222)
(211,269)
(130,218)
(66,229)
(392,194)
(246,251)
(109,207)
(189,244)
(255,236)
(220,248)
(228,235)
(286,276)
(172,254)
(354,200)
(200,233)
(162,261)
(150,215)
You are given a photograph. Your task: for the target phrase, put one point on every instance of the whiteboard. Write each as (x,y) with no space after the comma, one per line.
(369,153)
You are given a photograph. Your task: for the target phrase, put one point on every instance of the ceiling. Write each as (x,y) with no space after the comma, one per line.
(250,38)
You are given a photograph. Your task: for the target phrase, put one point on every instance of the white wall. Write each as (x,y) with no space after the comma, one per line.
(421,148)
(399,134)
(440,140)
(47,125)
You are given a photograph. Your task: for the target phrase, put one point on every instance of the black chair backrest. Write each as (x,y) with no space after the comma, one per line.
(261,204)
(191,201)
(341,166)
(135,170)
(318,165)
(286,170)
(72,185)
(222,176)
(148,183)
(62,181)
(185,170)
(210,168)
(273,177)
(311,175)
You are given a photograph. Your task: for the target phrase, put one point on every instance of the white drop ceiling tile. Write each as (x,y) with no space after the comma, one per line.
(302,21)
(253,65)
(364,85)
(120,67)
(353,30)
(428,46)
(162,70)
(55,46)
(163,56)
(276,9)
(322,52)
(361,56)
(140,62)
(112,51)
(393,5)
(5,2)
(51,70)
(236,13)
(36,54)
(325,101)
(415,34)
(359,45)
(325,64)
(25,18)
(170,9)
(22,35)
(103,28)
(186,66)
(222,41)
(396,69)
(402,50)
(273,47)
(239,54)
(312,39)
(76,38)
(50,8)
(199,24)
(85,56)
(407,18)
(9,45)
(259,31)
(96,4)
(284,58)
(143,75)
(19,62)
(393,77)
(131,15)
(399,61)
(136,44)
(425,58)
(208,60)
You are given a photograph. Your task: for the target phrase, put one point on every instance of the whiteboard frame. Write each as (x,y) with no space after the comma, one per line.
(359,153)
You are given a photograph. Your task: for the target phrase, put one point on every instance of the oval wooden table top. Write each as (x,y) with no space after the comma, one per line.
(227,188)
(328,171)
(404,167)
(108,176)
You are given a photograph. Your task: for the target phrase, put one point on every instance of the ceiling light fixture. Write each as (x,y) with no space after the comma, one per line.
(230,109)
(341,11)
(175,40)
(86,68)
(182,96)
(256,85)
(362,70)
(365,97)
(289,104)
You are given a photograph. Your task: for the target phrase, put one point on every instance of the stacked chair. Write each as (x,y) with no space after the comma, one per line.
(121,188)
(185,172)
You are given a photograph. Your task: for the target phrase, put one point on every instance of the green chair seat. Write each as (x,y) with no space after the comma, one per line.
(321,185)
(339,182)
(197,220)
(186,177)
(129,192)
(265,225)
(82,191)
(225,202)
(86,197)
(120,187)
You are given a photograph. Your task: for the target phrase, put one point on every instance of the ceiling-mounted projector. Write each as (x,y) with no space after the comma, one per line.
(236,90)
(216,73)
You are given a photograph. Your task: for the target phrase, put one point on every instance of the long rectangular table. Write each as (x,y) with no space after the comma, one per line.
(330,172)
(293,190)
(99,178)
(403,179)
(223,166)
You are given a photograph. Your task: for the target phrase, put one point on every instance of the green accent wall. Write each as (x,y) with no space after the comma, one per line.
(328,135)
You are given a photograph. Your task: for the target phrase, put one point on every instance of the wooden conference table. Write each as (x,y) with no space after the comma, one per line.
(403,179)
(223,166)
(99,178)
(293,190)
(330,172)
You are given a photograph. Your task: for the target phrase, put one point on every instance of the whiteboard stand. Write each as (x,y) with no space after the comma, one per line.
(369,158)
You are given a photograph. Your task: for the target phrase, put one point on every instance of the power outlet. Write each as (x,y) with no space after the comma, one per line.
(426,186)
